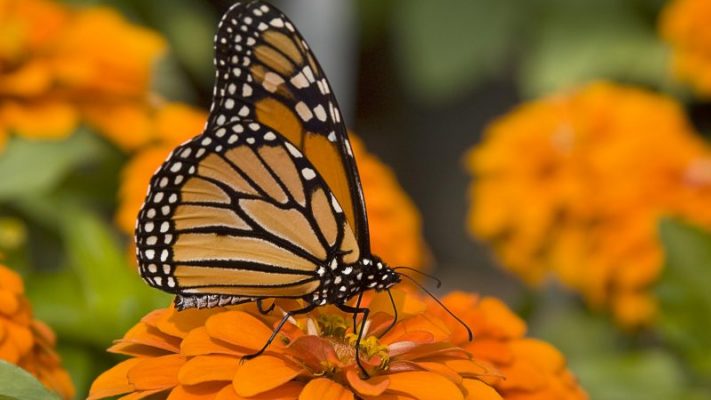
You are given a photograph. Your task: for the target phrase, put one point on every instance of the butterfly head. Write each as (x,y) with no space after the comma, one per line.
(379,275)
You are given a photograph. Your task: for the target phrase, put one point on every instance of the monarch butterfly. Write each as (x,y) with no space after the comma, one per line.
(267,201)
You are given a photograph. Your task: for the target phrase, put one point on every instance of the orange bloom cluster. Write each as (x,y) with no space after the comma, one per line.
(574,185)
(686,26)
(395,225)
(60,66)
(27,342)
(197,354)
(533,369)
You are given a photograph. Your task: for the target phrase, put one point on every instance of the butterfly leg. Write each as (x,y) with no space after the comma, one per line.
(392,324)
(286,317)
(355,315)
(263,310)
(355,311)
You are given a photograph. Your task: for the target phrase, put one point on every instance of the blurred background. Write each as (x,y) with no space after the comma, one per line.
(422,83)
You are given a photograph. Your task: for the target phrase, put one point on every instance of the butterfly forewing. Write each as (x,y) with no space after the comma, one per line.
(266,73)
(240,211)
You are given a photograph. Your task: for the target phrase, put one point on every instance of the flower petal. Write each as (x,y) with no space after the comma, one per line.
(140,394)
(508,324)
(198,342)
(205,391)
(490,349)
(434,329)
(546,356)
(11,281)
(325,389)
(366,387)
(287,391)
(41,120)
(152,337)
(314,352)
(424,386)
(9,302)
(240,328)
(443,370)
(114,381)
(264,373)
(180,324)
(208,368)
(478,390)
(156,373)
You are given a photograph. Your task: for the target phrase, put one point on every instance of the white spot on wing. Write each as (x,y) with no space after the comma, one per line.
(309,74)
(303,110)
(246,90)
(293,150)
(320,113)
(335,204)
(272,81)
(308,173)
(299,81)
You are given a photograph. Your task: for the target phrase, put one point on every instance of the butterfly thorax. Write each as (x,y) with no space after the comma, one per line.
(340,282)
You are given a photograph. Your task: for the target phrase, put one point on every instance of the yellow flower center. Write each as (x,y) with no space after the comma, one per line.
(335,329)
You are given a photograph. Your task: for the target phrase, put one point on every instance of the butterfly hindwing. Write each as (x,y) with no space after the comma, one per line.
(266,73)
(240,212)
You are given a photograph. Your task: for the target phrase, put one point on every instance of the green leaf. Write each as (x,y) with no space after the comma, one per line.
(576,41)
(29,167)
(84,364)
(18,384)
(639,375)
(99,289)
(447,47)
(608,363)
(189,26)
(684,296)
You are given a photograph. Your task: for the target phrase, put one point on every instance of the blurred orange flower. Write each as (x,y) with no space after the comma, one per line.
(27,342)
(60,65)
(533,369)
(197,353)
(395,225)
(574,185)
(684,24)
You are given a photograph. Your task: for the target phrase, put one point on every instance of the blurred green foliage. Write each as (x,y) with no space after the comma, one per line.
(449,47)
(17,384)
(685,320)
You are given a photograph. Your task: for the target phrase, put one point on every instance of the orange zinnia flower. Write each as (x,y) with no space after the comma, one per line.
(533,369)
(182,355)
(686,26)
(395,226)
(60,65)
(574,185)
(26,342)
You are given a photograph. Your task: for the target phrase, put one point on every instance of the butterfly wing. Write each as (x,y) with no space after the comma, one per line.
(240,211)
(266,73)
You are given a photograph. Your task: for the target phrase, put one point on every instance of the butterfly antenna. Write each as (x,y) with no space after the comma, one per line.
(469,331)
(439,282)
